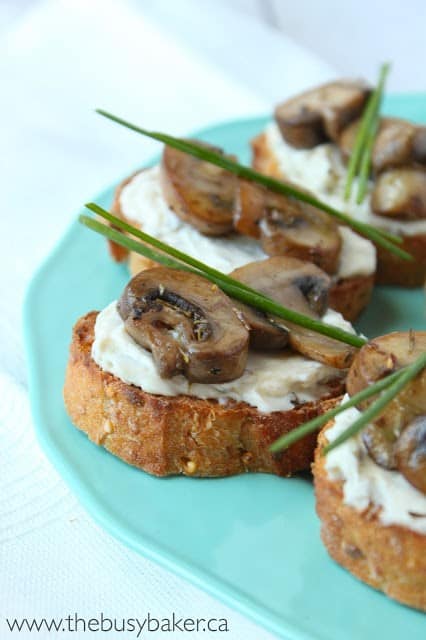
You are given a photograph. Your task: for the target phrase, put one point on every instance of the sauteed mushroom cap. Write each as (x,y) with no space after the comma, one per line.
(320,114)
(397,143)
(300,286)
(198,192)
(280,279)
(379,358)
(287,227)
(400,193)
(188,324)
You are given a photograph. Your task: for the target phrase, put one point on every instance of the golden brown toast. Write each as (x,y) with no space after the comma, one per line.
(166,435)
(389,558)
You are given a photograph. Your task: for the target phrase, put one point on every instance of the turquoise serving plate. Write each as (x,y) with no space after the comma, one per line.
(253,540)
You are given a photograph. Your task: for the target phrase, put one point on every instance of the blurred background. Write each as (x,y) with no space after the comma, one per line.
(352,36)
(175,65)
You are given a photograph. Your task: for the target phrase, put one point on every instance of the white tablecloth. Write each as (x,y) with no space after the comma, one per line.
(58,61)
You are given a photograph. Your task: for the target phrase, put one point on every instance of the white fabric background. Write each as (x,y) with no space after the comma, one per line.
(58,60)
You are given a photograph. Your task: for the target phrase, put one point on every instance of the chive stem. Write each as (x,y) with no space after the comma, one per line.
(370,113)
(384,239)
(407,374)
(365,164)
(232,287)
(313,425)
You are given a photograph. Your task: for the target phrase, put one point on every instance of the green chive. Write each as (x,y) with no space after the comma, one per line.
(313,425)
(232,287)
(384,239)
(370,113)
(365,165)
(407,374)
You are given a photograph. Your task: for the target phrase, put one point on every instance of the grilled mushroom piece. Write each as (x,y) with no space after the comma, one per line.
(398,143)
(379,358)
(280,278)
(300,286)
(320,114)
(400,193)
(187,323)
(287,227)
(199,192)
(410,453)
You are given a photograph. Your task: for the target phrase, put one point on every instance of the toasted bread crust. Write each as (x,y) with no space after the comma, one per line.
(389,558)
(391,270)
(180,434)
(117,252)
(349,296)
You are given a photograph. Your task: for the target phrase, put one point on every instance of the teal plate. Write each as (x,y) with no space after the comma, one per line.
(252,540)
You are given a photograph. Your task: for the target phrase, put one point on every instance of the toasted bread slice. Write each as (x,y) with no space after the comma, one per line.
(390,268)
(166,435)
(389,558)
(349,296)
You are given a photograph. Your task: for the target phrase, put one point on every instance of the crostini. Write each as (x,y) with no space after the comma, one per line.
(309,143)
(371,489)
(203,210)
(177,378)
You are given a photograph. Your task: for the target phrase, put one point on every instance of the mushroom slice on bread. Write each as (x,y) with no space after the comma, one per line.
(320,114)
(400,193)
(287,226)
(370,487)
(281,279)
(189,325)
(302,287)
(381,357)
(398,142)
(410,453)
(198,192)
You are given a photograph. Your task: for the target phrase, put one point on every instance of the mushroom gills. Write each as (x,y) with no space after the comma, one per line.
(302,287)
(379,358)
(287,227)
(187,323)
(320,114)
(199,192)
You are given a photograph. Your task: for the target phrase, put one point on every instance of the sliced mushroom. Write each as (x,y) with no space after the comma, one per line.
(398,143)
(198,192)
(279,278)
(379,358)
(249,208)
(287,227)
(187,323)
(410,453)
(419,145)
(400,193)
(320,114)
(300,286)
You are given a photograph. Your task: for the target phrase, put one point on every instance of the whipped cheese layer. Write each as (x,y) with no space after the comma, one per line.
(321,170)
(271,381)
(366,484)
(142,203)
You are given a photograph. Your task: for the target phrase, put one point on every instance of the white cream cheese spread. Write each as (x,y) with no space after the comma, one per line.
(142,203)
(322,171)
(271,381)
(366,484)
